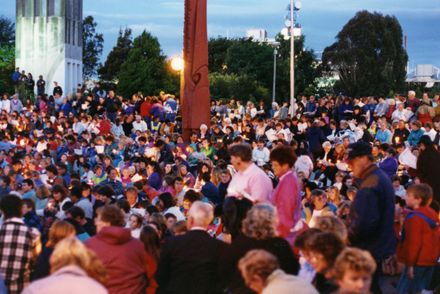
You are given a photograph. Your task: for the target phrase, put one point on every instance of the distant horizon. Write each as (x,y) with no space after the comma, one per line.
(321,20)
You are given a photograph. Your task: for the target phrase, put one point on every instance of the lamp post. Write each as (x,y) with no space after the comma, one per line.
(290,23)
(275,46)
(275,52)
(178,64)
(292,58)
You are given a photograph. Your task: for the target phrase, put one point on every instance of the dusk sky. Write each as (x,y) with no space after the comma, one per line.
(321,20)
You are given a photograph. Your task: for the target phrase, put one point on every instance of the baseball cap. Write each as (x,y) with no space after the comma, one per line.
(359,148)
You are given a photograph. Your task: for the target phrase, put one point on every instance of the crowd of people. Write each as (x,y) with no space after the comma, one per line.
(101,193)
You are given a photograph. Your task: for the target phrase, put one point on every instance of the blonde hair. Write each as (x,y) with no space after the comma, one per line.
(354,259)
(258,262)
(58,231)
(332,224)
(70,251)
(260,222)
(42,192)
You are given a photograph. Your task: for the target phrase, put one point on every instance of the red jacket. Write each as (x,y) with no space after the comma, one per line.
(145,109)
(151,271)
(124,259)
(421,243)
(104,127)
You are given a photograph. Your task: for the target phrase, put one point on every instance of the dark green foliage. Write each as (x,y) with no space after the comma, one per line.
(109,71)
(7,54)
(145,69)
(305,68)
(7,67)
(368,55)
(244,69)
(7,32)
(241,87)
(93,44)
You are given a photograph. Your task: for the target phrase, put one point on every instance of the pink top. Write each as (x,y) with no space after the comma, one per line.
(286,198)
(253,184)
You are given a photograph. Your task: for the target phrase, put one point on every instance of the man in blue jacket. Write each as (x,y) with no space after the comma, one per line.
(372,211)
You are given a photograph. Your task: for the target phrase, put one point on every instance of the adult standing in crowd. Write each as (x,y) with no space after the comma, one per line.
(286,196)
(428,166)
(122,255)
(189,263)
(372,221)
(16,246)
(249,181)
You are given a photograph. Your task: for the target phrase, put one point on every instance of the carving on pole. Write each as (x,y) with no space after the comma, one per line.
(195,94)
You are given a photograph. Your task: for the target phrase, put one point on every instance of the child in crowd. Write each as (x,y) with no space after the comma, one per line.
(319,207)
(419,246)
(399,190)
(353,271)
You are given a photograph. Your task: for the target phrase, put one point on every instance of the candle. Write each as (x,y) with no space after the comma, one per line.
(397,140)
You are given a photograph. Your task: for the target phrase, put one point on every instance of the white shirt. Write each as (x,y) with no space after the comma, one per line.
(303,164)
(401,115)
(176,212)
(315,215)
(6,105)
(260,156)
(431,134)
(281,283)
(136,233)
(140,126)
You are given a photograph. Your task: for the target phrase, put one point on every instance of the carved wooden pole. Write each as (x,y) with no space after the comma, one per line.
(195,96)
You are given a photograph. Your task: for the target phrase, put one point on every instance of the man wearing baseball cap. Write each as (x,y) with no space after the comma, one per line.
(372,210)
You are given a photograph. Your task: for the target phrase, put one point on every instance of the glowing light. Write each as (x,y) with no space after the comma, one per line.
(177,63)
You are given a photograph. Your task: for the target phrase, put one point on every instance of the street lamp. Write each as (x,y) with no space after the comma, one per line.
(177,63)
(290,23)
(275,46)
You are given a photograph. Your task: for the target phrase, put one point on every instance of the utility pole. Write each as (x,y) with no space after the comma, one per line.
(275,52)
(292,57)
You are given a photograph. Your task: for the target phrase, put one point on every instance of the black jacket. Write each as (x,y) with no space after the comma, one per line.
(238,249)
(189,264)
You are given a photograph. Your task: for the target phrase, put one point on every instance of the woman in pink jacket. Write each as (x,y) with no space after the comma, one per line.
(286,196)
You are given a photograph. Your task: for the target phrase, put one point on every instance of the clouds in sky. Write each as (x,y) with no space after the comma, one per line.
(321,20)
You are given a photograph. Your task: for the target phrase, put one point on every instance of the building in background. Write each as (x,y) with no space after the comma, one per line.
(259,35)
(49,41)
(424,73)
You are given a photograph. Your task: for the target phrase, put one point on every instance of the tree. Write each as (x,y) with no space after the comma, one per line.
(368,55)
(7,66)
(244,59)
(7,31)
(305,68)
(109,71)
(145,68)
(217,53)
(7,54)
(93,44)
(243,87)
